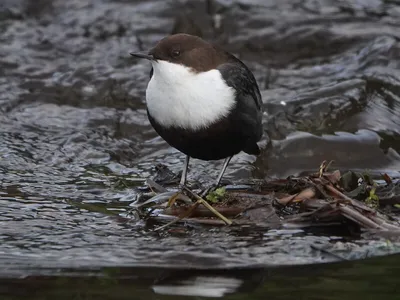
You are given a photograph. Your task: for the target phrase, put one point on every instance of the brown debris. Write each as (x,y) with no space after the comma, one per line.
(320,199)
(308,193)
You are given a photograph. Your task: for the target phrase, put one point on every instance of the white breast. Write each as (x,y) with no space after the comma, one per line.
(178,97)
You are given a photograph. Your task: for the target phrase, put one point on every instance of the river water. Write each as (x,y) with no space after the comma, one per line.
(75,142)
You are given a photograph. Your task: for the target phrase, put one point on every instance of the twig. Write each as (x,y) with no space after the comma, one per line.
(358,217)
(205,212)
(200,221)
(322,168)
(204,202)
(163,197)
(384,224)
(185,215)
(352,201)
(373,220)
(308,215)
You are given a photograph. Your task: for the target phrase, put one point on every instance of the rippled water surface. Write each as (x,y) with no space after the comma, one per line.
(75,142)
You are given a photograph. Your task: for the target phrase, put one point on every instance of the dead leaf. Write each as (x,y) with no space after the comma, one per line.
(308,193)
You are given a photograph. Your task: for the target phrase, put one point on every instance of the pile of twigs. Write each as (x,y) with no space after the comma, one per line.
(324,198)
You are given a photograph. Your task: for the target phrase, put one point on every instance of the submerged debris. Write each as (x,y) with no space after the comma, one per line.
(320,199)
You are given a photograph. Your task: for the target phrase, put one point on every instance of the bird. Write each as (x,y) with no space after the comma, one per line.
(202,100)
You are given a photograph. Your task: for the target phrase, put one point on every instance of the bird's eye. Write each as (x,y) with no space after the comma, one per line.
(176,53)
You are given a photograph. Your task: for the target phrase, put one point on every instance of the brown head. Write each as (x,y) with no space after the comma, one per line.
(187,50)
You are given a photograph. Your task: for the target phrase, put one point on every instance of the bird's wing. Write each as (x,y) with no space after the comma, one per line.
(249,103)
(238,76)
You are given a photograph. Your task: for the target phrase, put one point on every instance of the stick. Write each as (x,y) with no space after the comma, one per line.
(205,203)
(383,223)
(358,217)
(200,221)
(352,201)
(205,212)
(184,215)
(373,221)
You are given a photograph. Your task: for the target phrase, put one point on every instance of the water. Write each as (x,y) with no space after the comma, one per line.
(366,279)
(75,142)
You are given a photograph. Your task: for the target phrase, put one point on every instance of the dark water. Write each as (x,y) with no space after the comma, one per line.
(357,280)
(75,141)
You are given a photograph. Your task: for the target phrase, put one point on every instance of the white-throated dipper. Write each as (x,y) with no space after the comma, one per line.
(202,100)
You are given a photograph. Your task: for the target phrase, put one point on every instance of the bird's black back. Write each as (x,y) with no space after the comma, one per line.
(248,111)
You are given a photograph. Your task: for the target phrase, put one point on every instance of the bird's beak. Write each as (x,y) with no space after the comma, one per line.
(143,55)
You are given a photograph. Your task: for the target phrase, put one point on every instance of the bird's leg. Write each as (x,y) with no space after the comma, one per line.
(225,165)
(182,183)
(218,181)
(184,171)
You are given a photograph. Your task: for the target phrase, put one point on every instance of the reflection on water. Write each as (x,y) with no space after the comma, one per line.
(365,279)
(75,142)
(213,286)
